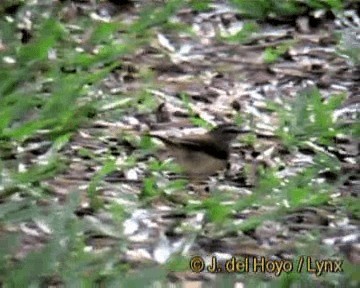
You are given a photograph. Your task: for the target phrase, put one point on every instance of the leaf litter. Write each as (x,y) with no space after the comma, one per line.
(213,73)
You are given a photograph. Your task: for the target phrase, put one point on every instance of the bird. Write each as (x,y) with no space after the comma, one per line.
(202,155)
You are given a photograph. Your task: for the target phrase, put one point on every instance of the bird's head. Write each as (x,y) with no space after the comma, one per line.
(225,132)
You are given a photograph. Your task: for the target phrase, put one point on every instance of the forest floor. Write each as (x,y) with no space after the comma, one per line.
(292,187)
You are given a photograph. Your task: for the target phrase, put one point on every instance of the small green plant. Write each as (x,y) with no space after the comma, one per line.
(349,45)
(161,166)
(244,35)
(216,211)
(152,16)
(271,54)
(108,167)
(300,190)
(262,9)
(195,119)
(351,205)
(308,117)
(199,5)
(150,189)
(49,89)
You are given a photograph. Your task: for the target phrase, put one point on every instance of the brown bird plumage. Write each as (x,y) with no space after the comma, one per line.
(205,154)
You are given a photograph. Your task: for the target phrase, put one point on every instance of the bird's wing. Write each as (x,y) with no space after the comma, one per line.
(197,143)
